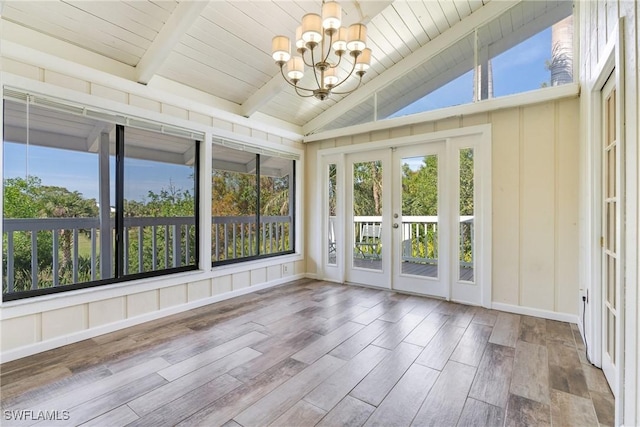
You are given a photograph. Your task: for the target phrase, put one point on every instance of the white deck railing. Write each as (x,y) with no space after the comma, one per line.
(420,237)
(150,243)
(237,236)
(172,238)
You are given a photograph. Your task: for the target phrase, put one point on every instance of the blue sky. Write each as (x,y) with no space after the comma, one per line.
(78,171)
(519,69)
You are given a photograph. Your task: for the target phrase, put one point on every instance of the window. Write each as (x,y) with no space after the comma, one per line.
(538,54)
(456,92)
(159,202)
(88,202)
(253,203)
(527,48)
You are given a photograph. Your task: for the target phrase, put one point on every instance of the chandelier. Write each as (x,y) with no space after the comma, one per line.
(325,33)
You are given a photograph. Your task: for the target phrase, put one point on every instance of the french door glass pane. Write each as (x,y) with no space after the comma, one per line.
(611,335)
(467,216)
(331,226)
(420,215)
(610,276)
(367,215)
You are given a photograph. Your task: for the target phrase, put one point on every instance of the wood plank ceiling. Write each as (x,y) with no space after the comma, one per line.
(225,49)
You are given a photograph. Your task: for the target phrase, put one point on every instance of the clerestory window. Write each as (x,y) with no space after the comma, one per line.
(527,48)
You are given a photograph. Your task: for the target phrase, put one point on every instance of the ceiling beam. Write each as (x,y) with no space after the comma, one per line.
(263,95)
(34,48)
(357,11)
(460,30)
(176,26)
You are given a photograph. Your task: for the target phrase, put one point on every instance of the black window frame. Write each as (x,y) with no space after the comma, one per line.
(118,250)
(292,228)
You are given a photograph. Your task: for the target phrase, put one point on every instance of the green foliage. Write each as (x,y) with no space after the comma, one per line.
(419,198)
(333,184)
(20,197)
(367,188)
(169,202)
(28,198)
(235,194)
(420,188)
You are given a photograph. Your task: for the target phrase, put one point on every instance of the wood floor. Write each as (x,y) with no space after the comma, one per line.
(313,353)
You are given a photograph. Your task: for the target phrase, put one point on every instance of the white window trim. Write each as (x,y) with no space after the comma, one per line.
(591,272)
(517,100)
(336,155)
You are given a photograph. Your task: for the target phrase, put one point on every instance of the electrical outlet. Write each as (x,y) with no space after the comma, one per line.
(285,269)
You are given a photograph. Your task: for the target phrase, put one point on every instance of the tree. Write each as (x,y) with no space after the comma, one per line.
(58,202)
(420,188)
(28,198)
(169,202)
(367,188)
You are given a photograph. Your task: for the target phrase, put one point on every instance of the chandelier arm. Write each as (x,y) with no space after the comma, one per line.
(301,94)
(304,59)
(353,67)
(349,91)
(339,61)
(326,58)
(294,85)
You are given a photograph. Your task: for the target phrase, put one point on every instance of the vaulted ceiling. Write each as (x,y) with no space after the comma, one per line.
(223,48)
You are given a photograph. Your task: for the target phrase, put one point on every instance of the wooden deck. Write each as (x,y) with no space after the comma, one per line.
(414,268)
(313,353)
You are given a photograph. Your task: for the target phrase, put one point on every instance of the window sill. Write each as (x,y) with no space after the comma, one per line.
(241,266)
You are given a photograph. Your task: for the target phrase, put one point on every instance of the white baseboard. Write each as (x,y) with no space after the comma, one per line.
(536,312)
(313,276)
(39,347)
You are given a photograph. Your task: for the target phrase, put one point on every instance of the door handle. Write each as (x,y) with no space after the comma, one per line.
(395,225)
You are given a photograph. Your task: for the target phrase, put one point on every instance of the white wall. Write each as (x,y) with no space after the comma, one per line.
(36,324)
(597,26)
(535,202)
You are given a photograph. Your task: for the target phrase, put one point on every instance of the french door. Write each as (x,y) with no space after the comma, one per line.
(368,218)
(611,235)
(411,219)
(420,223)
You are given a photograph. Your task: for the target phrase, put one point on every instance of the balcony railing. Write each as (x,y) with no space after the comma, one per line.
(419,238)
(64,251)
(235,237)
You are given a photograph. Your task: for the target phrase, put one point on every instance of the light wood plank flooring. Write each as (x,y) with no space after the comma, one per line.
(314,353)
